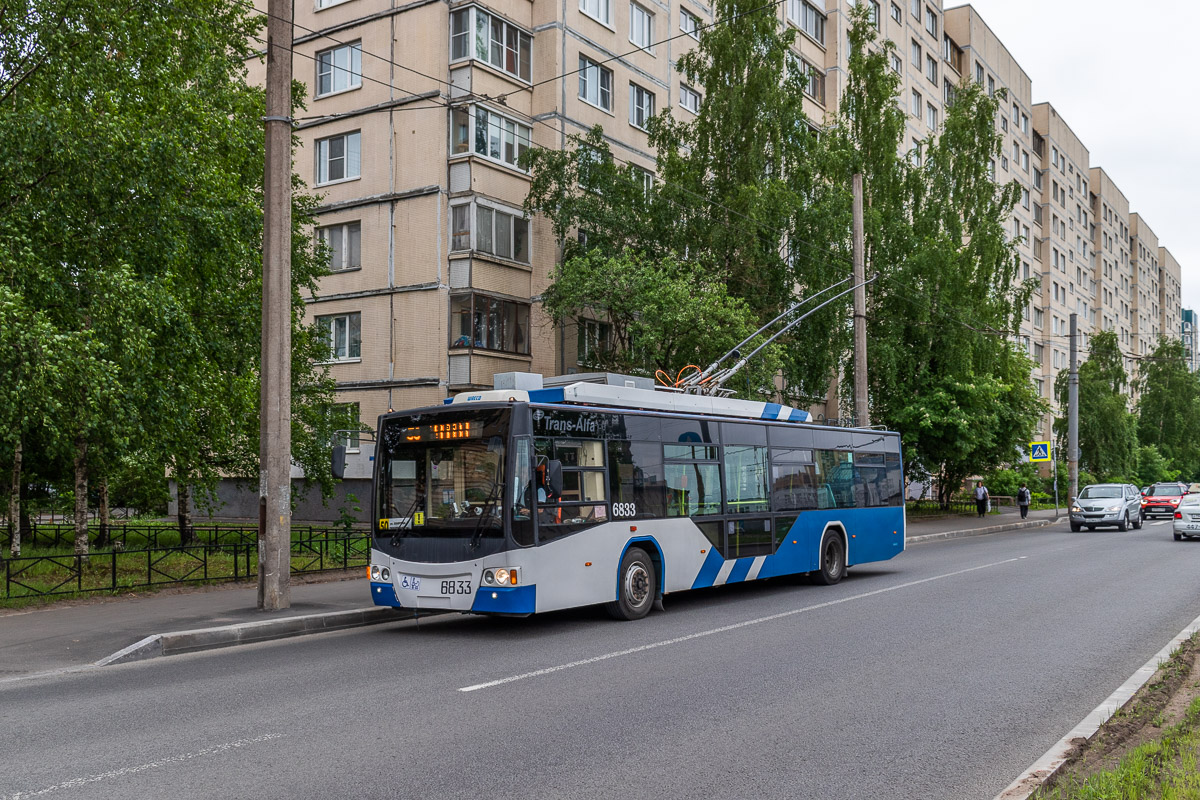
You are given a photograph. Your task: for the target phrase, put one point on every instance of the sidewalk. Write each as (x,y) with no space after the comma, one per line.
(80,633)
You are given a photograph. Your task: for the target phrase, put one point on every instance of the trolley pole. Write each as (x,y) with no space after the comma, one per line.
(861,410)
(275,431)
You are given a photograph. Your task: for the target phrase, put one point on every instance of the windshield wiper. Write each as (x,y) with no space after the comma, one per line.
(492,497)
(396,537)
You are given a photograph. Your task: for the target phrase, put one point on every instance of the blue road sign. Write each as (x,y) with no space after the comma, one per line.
(1039,451)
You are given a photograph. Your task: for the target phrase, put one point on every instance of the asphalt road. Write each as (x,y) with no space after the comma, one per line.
(941,674)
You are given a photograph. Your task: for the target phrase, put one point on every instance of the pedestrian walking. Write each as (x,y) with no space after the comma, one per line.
(1023,498)
(981,499)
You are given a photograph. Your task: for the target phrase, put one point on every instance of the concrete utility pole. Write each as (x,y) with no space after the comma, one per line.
(861,410)
(275,431)
(1073,414)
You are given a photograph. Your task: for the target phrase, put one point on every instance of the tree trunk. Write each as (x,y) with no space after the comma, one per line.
(185,511)
(102,540)
(14,504)
(27,533)
(81,488)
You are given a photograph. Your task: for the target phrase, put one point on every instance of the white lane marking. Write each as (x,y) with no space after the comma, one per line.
(723,575)
(734,626)
(755,567)
(1053,759)
(1160,522)
(162,762)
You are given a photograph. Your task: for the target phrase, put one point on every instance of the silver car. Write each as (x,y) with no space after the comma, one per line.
(1187,518)
(1100,504)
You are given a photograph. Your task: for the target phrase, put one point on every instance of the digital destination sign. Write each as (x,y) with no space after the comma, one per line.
(442,432)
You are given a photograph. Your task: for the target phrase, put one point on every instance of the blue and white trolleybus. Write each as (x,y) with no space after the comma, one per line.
(571,492)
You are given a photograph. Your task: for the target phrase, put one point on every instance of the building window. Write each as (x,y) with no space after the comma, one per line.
(915,7)
(338,158)
(641,27)
(343,333)
(339,69)
(897,14)
(897,64)
(931,22)
(350,438)
(931,116)
(917,103)
(948,91)
(1024,123)
(594,339)
(494,231)
(874,14)
(595,83)
(991,86)
(979,73)
(494,136)
(915,54)
(814,82)
(915,154)
(641,106)
(689,23)
(491,40)
(689,98)
(345,245)
(931,66)
(600,10)
(489,323)
(808,18)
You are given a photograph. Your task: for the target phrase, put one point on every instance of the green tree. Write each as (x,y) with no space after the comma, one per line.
(130,219)
(1108,436)
(1169,407)
(941,318)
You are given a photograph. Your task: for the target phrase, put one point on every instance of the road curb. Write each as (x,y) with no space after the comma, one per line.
(1010,526)
(1055,758)
(178,642)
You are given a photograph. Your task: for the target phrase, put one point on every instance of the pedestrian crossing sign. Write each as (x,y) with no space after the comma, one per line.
(1039,451)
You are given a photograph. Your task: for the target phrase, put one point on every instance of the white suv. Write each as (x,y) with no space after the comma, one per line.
(1100,504)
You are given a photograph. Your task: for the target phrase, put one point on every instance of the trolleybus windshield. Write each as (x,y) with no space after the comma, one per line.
(442,474)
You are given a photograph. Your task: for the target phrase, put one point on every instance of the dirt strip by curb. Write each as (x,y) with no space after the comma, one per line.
(1053,760)
(177,642)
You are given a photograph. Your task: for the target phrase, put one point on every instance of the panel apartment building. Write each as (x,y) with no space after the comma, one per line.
(417,114)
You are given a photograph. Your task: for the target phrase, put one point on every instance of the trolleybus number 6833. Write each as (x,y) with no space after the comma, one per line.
(456,587)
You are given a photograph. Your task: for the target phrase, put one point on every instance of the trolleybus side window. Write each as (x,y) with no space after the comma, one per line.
(583,497)
(793,479)
(636,480)
(693,474)
(523,491)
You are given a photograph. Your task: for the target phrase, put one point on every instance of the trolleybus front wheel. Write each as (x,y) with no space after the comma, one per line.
(635,586)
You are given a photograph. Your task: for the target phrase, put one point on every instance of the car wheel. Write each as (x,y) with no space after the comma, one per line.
(1179,537)
(1137,522)
(1075,527)
(1123,525)
(635,589)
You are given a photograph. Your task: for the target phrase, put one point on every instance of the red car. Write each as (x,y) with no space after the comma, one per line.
(1163,498)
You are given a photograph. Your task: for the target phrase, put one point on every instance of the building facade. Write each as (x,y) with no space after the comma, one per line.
(417,116)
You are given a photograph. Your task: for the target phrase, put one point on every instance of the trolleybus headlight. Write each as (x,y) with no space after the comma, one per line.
(502,576)
(385,574)
(374,572)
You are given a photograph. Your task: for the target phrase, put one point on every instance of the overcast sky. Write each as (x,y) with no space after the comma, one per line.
(1123,76)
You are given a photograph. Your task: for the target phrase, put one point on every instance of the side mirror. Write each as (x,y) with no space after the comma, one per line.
(554,478)
(338,461)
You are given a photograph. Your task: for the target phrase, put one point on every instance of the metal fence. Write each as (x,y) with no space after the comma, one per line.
(119,569)
(141,535)
(933,507)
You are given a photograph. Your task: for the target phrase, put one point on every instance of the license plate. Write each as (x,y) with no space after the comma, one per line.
(410,582)
(456,586)
(1192,526)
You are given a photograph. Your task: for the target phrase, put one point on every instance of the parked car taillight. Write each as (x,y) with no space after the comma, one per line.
(1178,515)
